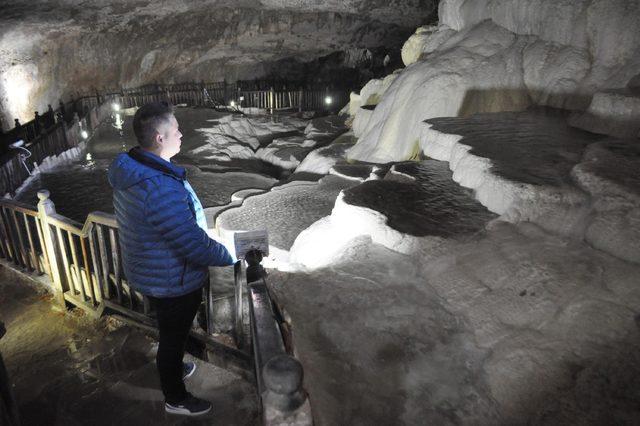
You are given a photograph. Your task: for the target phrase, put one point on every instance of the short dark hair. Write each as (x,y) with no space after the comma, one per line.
(148,118)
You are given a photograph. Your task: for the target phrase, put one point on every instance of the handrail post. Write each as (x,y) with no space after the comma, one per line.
(46,208)
(284,400)
(272,93)
(278,375)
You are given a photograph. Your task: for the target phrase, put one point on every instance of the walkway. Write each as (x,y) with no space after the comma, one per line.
(69,370)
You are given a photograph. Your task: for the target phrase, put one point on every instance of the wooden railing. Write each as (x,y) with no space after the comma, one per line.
(52,141)
(82,261)
(293,99)
(232,95)
(60,130)
(278,374)
(83,264)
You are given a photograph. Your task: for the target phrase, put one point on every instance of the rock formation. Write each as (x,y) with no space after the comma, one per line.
(53,49)
(489,56)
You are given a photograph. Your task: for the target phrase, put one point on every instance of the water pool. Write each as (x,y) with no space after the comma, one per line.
(82,187)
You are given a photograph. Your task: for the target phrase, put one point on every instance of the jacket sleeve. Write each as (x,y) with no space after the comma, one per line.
(167,209)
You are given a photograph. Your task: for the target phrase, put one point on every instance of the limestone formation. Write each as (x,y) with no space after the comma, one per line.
(509,55)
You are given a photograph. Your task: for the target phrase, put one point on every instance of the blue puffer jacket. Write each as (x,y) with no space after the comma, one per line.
(165,253)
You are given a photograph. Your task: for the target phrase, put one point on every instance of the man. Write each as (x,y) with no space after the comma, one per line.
(165,249)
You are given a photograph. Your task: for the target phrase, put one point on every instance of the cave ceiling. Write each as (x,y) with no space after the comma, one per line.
(50,49)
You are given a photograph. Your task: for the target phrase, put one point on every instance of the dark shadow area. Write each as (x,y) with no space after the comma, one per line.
(493,100)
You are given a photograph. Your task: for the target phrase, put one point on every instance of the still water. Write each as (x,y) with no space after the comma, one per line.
(82,186)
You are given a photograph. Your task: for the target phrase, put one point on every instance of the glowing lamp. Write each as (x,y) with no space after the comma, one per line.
(328,100)
(115,106)
(84,134)
(241,98)
(233,103)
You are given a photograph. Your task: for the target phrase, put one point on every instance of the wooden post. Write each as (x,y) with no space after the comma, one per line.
(300,92)
(46,208)
(271,96)
(115,257)
(104,261)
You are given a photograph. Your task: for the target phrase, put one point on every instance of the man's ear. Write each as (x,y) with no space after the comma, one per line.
(158,139)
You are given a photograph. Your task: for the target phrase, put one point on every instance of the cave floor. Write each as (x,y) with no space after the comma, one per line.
(481,322)
(67,369)
(509,326)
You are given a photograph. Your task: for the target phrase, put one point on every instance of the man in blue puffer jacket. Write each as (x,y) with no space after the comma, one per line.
(165,249)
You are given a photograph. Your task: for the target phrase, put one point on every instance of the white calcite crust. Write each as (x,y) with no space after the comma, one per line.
(486,318)
(238,137)
(463,76)
(557,208)
(508,55)
(425,40)
(324,243)
(610,173)
(615,112)
(368,97)
(321,160)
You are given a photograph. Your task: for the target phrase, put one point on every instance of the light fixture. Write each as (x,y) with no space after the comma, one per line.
(232,103)
(328,100)
(84,134)
(118,122)
(241,98)
(24,153)
(115,106)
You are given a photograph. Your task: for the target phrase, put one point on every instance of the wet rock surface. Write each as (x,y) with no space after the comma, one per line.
(432,204)
(81,187)
(512,326)
(610,173)
(285,210)
(536,147)
(70,370)
(353,171)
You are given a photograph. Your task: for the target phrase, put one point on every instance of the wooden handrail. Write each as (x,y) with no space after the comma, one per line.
(83,230)
(18,206)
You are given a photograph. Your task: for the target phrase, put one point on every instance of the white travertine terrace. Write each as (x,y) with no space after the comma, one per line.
(506,55)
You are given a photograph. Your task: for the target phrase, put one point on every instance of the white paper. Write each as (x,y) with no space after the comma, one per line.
(244,242)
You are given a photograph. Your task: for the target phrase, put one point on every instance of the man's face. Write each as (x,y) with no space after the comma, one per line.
(169,138)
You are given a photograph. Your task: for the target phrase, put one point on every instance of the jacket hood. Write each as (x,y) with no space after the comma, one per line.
(130,168)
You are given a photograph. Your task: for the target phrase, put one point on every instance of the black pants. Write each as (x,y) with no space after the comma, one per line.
(175,316)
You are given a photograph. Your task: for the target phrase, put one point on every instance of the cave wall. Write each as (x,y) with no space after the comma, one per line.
(53,49)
